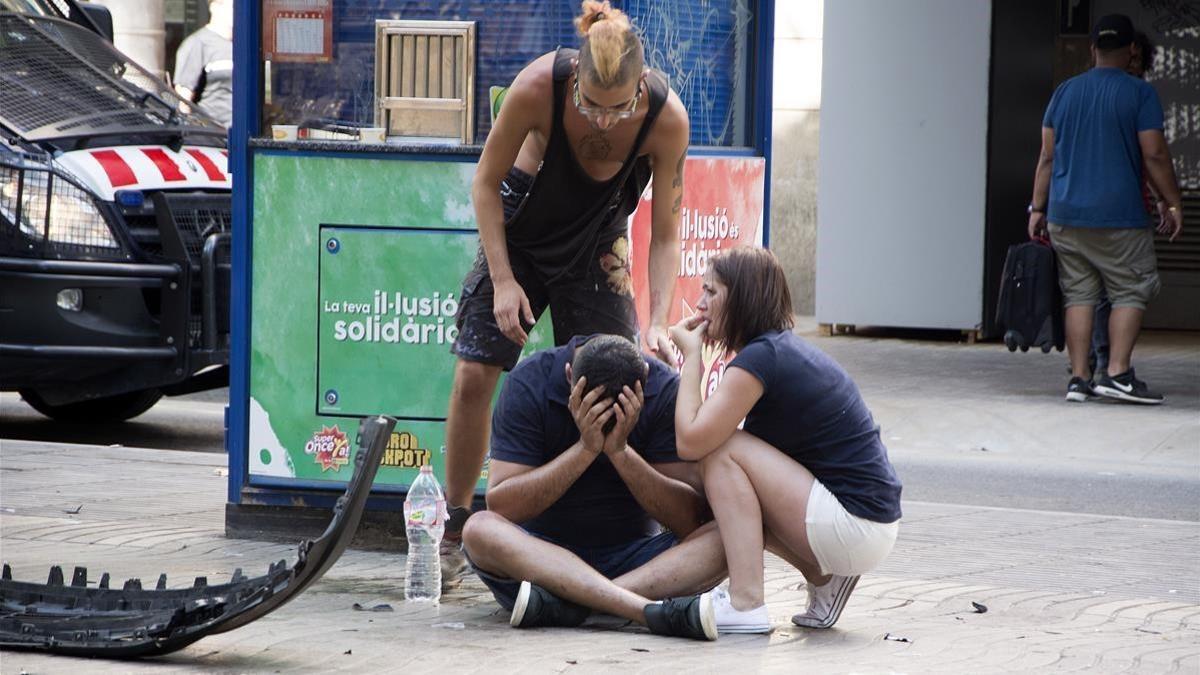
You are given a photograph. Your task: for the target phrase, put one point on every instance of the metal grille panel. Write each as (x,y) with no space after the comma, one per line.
(57,79)
(197,223)
(424,78)
(45,214)
(11,240)
(1183,254)
(223,261)
(197,219)
(100,54)
(73,221)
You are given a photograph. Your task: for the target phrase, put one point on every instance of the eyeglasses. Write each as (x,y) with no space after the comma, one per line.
(618,112)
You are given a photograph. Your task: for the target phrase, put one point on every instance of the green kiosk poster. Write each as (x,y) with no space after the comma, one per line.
(387,304)
(355,292)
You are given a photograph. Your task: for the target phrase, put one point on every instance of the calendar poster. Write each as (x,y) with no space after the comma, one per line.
(298,30)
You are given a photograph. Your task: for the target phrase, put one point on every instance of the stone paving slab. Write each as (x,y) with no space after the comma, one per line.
(1064,591)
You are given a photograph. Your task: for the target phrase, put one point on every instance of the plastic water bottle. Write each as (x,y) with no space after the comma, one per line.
(425,521)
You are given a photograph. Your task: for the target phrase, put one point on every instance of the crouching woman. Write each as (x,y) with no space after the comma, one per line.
(807,477)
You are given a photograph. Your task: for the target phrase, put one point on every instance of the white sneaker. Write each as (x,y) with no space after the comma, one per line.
(825,603)
(730,620)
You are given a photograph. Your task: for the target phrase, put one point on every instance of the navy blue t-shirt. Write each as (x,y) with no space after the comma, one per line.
(532,425)
(1097,179)
(812,411)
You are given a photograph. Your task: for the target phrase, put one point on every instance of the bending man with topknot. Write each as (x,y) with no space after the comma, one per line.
(579,136)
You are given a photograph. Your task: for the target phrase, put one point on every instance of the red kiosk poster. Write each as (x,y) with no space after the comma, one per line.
(722,208)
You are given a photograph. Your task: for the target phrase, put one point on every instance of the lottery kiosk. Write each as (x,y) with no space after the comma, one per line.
(357,127)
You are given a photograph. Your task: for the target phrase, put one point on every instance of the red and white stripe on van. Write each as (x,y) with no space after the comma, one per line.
(151,167)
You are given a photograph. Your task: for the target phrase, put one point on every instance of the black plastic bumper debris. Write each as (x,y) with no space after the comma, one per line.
(131,621)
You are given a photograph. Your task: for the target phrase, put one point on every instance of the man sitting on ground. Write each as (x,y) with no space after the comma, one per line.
(583,471)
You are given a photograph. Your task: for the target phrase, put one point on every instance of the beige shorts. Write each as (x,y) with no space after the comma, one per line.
(844,543)
(1094,260)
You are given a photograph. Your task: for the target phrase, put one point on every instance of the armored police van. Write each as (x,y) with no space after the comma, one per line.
(114,223)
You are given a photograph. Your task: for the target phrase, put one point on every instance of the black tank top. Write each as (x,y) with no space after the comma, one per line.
(566,212)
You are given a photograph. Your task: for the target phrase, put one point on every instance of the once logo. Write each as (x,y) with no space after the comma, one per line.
(329,448)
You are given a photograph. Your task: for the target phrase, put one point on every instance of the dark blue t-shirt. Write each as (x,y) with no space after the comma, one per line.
(1097,179)
(531,425)
(812,411)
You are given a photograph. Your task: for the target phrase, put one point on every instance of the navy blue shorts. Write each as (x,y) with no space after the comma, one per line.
(611,561)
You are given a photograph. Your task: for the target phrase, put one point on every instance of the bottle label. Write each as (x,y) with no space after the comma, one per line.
(425,513)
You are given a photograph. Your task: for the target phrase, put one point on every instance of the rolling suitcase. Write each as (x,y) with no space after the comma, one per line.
(1030,307)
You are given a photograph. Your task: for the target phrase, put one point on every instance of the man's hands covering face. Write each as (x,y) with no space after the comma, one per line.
(627,408)
(591,409)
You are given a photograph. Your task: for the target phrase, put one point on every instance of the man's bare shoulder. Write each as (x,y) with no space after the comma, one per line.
(536,79)
(528,103)
(671,129)
(674,116)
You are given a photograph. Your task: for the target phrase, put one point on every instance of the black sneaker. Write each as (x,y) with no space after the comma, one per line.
(1079,390)
(691,617)
(536,606)
(1126,387)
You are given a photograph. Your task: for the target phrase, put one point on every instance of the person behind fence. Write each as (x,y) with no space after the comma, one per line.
(204,64)
(808,476)
(577,139)
(589,507)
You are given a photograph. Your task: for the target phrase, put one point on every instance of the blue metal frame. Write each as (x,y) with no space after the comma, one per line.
(310,484)
(247,86)
(717,151)
(763,84)
(312,495)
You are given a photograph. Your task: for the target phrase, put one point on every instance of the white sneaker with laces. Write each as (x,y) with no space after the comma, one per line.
(825,603)
(730,620)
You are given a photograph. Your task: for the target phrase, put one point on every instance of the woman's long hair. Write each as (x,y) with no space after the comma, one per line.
(758,299)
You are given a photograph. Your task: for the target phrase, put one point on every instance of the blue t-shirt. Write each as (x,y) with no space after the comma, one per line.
(812,411)
(532,425)
(1097,178)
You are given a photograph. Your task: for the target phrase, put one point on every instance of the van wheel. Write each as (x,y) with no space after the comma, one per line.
(98,410)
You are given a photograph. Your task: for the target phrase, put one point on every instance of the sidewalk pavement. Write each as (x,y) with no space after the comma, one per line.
(1063,591)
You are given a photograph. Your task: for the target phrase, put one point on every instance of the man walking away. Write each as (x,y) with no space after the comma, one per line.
(1099,131)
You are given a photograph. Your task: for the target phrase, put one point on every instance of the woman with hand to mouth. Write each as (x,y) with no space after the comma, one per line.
(807,476)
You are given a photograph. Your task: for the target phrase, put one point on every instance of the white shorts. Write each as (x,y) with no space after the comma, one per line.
(845,544)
